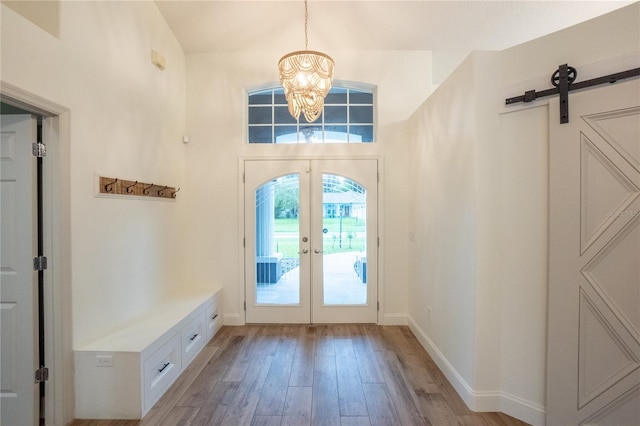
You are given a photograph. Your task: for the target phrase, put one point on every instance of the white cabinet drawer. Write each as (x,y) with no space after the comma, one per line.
(213,317)
(160,370)
(193,338)
(148,356)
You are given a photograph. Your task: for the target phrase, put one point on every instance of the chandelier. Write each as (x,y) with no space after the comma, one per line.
(306,77)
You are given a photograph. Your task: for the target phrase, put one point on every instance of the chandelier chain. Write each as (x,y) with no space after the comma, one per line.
(306,77)
(306,18)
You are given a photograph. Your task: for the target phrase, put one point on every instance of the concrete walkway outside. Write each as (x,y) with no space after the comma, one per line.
(342,286)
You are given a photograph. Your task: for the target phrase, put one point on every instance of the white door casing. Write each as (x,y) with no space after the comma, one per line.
(593,371)
(18,286)
(312,174)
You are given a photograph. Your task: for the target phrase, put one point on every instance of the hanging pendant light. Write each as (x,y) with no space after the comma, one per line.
(306,77)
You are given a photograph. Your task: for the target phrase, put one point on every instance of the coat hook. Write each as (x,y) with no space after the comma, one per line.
(109,186)
(128,188)
(160,191)
(145,191)
(173,194)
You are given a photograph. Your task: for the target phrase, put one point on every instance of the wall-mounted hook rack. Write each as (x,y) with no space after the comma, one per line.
(147,189)
(116,186)
(129,188)
(108,187)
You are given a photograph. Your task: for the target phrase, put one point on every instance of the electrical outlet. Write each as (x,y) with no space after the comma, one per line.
(104,360)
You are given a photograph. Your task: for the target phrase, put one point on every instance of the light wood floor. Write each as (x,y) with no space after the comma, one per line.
(312,375)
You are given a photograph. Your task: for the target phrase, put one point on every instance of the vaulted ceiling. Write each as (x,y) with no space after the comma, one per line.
(449,29)
(455,26)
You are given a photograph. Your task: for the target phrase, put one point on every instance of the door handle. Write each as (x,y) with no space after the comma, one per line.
(318,251)
(304,251)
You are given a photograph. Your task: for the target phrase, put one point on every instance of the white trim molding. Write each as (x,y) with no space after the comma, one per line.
(392,319)
(480,401)
(57,290)
(233,319)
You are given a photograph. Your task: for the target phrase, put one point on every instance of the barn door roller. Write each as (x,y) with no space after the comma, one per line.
(563,80)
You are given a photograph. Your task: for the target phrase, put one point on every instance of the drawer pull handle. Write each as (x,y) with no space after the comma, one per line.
(214,317)
(160,370)
(194,337)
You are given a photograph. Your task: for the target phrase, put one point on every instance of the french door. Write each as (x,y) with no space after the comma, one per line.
(311,241)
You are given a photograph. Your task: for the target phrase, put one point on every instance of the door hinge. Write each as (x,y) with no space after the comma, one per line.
(38,149)
(378,305)
(243,178)
(42,375)
(243,242)
(39,263)
(378,241)
(245,305)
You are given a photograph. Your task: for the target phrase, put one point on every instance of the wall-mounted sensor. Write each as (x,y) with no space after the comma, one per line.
(158,60)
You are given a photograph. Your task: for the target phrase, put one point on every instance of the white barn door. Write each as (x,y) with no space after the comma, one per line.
(18,284)
(594,282)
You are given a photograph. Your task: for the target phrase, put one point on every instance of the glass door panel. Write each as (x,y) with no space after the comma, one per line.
(344,242)
(276,241)
(277,287)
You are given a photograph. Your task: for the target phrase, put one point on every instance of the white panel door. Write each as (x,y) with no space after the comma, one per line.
(594,281)
(18,286)
(311,241)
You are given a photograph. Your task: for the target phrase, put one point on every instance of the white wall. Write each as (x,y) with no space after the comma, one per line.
(480,226)
(478,234)
(126,120)
(216,122)
(444,224)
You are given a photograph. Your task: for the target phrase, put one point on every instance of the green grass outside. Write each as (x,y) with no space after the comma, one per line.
(349,224)
(353,227)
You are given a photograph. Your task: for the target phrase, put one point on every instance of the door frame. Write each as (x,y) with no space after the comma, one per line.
(57,242)
(241,295)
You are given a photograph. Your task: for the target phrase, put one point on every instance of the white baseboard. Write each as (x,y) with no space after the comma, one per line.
(233,319)
(393,319)
(385,319)
(512,405)
(460,385)
(522,409)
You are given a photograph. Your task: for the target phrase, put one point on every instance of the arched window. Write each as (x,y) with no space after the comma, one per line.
(348,117)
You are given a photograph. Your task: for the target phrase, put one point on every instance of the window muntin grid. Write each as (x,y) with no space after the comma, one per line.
(347,117)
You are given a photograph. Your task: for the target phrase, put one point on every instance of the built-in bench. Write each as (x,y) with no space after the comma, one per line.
(122,375)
